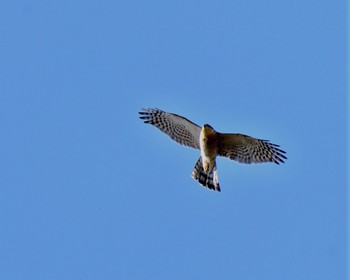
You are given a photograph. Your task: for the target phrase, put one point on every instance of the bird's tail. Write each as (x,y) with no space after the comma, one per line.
(209,180)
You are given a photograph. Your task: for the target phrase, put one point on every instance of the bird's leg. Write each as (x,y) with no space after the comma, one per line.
(206,167)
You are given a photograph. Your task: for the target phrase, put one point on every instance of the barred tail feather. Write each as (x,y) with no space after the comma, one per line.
(209,180)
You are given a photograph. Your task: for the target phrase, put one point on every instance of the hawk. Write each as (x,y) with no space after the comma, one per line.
(235,146)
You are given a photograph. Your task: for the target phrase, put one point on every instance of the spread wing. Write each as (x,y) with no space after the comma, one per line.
(246,149)
(178,128)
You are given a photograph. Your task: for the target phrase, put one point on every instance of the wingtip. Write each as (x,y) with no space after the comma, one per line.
(143,111)
(144,114)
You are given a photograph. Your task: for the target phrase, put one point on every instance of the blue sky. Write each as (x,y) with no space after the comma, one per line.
(87,191)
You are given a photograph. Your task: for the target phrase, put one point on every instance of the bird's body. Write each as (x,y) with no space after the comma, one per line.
(208,141)
(239,147)
(206,173)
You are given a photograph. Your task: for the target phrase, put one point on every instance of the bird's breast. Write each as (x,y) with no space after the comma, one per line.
(209,145)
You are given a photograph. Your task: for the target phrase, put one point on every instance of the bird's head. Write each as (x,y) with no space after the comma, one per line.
(207,128)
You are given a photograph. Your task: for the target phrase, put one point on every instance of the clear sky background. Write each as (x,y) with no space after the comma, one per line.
(87,191)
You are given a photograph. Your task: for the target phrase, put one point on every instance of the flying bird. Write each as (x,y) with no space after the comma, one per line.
(235,146)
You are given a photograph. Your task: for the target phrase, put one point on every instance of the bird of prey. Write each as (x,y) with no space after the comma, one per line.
(235,146)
